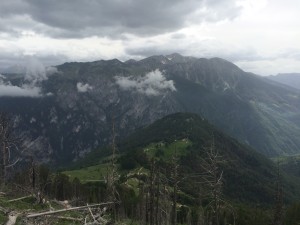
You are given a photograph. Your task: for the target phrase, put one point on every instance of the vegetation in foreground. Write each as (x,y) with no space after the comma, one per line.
(179,170)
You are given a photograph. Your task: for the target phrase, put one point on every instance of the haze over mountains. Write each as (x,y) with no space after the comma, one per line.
(290,79)
(68,110)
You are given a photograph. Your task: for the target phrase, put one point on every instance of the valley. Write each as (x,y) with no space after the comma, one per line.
(145,137)
(149,112)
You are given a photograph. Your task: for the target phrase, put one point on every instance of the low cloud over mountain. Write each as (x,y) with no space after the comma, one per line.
(83,87)
(29,83)
(153,83)
(7,89)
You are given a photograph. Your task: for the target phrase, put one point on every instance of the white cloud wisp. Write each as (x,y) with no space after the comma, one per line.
(152,84)
(83,87)
(35,73)
(9,90)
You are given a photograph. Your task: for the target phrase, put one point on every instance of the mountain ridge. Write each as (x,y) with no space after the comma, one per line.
(80,101)
(289,79)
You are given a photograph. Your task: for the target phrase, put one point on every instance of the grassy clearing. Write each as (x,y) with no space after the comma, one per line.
(161,150)
(282,160)
(91,173)
(166,151)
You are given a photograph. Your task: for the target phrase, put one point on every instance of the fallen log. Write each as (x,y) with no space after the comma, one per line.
(67,218)
(18,199)
(69,209)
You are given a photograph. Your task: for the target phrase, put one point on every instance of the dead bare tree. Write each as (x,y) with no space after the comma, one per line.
(174,181)
(166,207)
(152,179)
(4,138)
(278,207)
(8,144)
(112,176)
(158,184)
(213,179)
(157,197)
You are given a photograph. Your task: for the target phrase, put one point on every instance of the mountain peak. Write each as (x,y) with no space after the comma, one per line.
(174,55)
(130,61)
(177,58)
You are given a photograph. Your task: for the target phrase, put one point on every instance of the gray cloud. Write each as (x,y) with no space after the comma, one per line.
(32,68)
(178,36)
(62,18)
(152,84)
(57,31)
(35,71)
(216,10)
(160,49)
(189,47)
(16,62)
(292,53)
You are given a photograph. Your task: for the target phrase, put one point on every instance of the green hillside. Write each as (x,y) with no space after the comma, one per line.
(248,175)
(289,164)
(180,165)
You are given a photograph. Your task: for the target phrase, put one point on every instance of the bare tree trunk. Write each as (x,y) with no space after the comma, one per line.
(174,211)
(213,178)
(4,139)
(175,187)
(151,192)
(147,207)
(7,144)
(33,175)
(4,164)
(112,177)
(278,207)
(157,217)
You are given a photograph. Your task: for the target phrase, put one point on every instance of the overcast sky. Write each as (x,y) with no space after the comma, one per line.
(260,36)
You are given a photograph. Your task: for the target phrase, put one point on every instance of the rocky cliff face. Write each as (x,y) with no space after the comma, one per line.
(76,105)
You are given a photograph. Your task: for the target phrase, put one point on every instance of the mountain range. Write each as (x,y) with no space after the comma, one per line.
(66,111)
(289,79)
